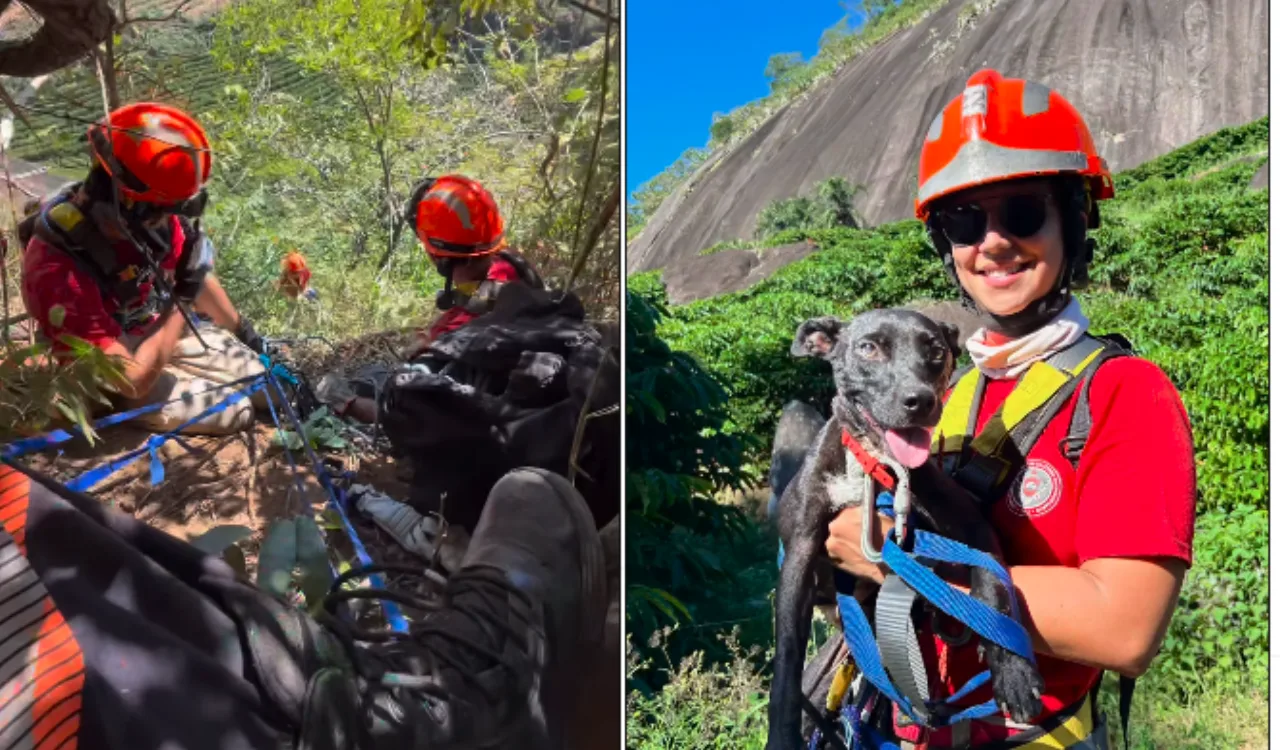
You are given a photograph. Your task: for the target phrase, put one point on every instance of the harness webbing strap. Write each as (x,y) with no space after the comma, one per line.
(896,637)
(20,448)
(87,480)
(64,226)
(1127,685)
(986,464)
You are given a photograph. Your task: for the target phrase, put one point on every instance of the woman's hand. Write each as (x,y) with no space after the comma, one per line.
(844,544)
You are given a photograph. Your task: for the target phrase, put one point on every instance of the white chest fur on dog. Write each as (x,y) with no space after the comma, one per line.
(855,487)
(851,487)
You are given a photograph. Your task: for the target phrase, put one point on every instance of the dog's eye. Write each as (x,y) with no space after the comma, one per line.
(868,348)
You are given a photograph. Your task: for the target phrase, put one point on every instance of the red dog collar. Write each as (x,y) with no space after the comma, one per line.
(870,465)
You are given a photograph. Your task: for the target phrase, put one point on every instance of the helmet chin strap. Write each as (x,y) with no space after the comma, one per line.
(447,297)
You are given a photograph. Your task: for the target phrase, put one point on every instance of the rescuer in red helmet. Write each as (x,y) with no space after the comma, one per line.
(114,260)
(459,224)
(1080,451)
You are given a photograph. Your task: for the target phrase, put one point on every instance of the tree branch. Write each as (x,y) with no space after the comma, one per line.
(595,144)
(601,14)
(13,107)
(597,228)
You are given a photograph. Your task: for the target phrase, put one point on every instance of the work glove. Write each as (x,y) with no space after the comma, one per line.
(250,337)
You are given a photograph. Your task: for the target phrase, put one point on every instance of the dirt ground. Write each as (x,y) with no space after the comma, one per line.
(241,479)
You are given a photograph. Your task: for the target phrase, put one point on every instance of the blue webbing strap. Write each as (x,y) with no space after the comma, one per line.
(274,372)
(979,617)
(337,499)
(19,448)
(92,477)
(986,621)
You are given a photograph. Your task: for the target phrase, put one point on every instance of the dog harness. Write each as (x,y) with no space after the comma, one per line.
(890,662)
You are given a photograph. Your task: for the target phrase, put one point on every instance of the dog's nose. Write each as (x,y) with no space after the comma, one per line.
(919,402)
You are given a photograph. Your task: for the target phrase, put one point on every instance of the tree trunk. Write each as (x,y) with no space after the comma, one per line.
(71,30)
(106,60)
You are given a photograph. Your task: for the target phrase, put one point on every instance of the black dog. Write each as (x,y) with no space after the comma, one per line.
(891,369)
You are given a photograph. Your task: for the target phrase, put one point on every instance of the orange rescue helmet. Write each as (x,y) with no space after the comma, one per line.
(294,274)
(1004,129)
(455,217)
(158,154)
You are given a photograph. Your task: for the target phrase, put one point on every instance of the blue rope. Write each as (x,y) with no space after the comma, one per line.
(288,453)
(19,448)
(87,480)
(337,499)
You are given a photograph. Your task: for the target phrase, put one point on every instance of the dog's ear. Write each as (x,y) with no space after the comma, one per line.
(816,337)
(951,333)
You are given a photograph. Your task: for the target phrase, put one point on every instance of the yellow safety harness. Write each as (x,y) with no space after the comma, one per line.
(987,463)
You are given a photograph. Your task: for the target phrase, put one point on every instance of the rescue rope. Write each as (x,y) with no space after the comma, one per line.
(269,383)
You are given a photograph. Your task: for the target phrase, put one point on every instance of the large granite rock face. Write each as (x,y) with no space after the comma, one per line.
(703,276)
(1148,76)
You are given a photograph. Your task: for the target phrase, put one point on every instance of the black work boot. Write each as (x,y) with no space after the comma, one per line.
(496,664)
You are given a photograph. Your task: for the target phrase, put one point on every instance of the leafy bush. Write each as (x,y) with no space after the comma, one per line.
(830,206)
(39,392)
(682,544)
(1182,270)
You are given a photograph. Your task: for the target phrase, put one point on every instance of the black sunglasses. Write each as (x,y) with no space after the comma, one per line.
(1022,216)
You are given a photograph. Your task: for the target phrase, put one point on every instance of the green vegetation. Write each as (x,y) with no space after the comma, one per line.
(789,77)
(1181,270)
(323,115)
(830,206)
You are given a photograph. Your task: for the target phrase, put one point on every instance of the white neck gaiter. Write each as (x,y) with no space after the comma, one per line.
(1012,358)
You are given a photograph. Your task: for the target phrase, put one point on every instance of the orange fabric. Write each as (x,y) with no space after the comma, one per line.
(59,662)
(160,145)
(15,488)
(1006,128)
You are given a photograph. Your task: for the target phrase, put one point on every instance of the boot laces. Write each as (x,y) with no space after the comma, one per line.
(487,604)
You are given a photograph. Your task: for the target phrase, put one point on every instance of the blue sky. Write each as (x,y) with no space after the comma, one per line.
(688,59)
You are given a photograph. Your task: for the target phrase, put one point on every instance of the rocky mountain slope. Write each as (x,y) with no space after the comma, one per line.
(1148,75)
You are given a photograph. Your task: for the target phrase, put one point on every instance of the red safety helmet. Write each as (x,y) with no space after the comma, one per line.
(1004,129)
(158,154)
(455,217)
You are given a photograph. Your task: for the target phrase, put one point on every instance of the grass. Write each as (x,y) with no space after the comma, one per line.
(712,705)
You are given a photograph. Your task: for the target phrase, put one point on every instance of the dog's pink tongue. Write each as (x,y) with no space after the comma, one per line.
(909,446)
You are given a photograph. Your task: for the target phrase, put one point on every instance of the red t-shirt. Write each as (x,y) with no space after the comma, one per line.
(1133,496)
(456,317)
(51,279)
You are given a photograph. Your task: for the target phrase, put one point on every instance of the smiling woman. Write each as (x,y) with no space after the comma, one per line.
(1094,508)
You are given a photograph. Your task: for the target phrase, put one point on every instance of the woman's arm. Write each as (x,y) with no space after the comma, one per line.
(1110,613)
